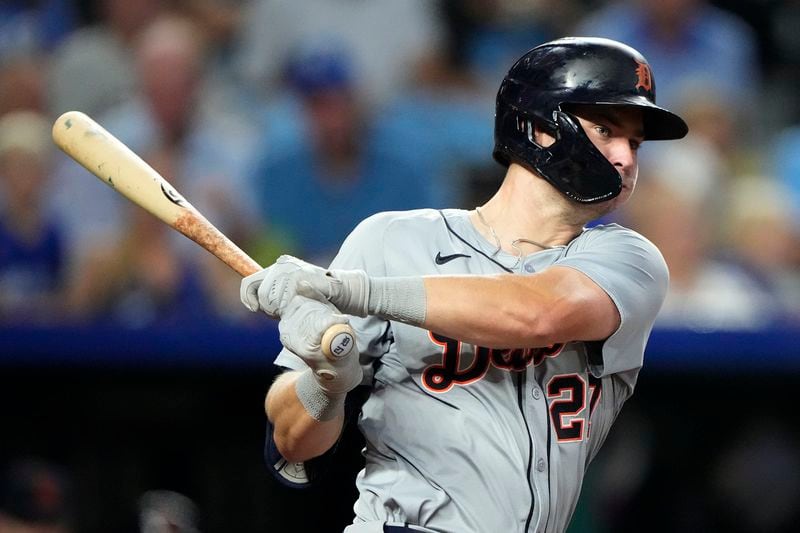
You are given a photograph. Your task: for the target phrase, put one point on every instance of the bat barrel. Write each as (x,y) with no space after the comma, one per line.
(116,165)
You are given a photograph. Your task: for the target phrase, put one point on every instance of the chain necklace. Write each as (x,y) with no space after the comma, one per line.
(514,244)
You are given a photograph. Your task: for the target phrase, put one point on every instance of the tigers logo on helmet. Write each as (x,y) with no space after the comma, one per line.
(645,77)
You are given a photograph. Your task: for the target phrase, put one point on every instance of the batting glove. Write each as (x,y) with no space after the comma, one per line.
(271,289)
(301,328)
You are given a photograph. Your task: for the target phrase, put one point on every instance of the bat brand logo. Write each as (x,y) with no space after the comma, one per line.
(645,77)
(442,259)
(341,345)
(172,195)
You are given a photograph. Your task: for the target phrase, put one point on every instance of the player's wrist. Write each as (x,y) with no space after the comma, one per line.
(402,299)
(319,403)
(349,291)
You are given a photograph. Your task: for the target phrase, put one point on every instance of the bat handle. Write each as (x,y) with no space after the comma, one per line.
(338,341)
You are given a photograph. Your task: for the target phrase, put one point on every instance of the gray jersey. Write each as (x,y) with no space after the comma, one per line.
(462,438)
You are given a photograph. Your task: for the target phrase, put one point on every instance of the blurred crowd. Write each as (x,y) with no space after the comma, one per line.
(287,122)
(37,496)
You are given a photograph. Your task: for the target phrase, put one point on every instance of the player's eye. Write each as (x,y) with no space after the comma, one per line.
(602,130)
(635,144)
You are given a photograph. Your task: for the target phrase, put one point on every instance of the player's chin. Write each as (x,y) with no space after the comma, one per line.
(588,212)
(601,209)
(625,194)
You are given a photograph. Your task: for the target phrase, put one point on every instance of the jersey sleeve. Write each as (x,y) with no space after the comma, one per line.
(632,271)
(363,249)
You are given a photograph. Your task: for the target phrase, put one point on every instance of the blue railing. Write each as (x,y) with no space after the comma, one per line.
(214,345)
(203,345)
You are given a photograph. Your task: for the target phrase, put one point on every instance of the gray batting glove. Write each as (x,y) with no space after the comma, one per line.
(302,325)
(271,289)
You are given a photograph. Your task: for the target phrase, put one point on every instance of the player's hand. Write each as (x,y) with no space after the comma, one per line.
(271,289)
(302,325)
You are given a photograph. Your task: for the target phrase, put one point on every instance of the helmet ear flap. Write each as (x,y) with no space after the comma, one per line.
(572,164)
(575,166)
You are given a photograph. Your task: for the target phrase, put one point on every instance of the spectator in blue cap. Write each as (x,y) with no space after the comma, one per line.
(325,167)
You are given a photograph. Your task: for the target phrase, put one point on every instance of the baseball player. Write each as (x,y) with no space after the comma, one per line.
(499,344)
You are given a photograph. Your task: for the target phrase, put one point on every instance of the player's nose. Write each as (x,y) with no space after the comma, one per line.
(623,155)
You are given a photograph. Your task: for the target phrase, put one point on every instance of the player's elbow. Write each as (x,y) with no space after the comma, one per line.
(569,319)
(292,448)
(532,329)
(298,440)
(540,324)
(296,435)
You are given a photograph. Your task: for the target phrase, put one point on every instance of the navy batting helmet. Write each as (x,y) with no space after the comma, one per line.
(543,84)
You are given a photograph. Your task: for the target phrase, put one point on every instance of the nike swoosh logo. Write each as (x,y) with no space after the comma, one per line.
(442,259)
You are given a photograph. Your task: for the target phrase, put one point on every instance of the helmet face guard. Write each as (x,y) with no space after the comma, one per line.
(543,84)
(572,164)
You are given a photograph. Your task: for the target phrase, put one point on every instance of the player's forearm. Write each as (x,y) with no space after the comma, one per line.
(496,312)
(297,435)
(556,305)
(493,311)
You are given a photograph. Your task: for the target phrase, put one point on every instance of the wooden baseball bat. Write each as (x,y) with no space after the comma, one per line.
(116,165)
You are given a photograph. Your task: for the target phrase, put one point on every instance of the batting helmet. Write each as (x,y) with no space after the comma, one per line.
(543,84)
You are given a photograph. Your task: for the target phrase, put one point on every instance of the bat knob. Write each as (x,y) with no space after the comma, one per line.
(338,341)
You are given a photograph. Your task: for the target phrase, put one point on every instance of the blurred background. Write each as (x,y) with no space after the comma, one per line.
(132,379)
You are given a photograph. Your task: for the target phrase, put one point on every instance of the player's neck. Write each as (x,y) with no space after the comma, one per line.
(527,208)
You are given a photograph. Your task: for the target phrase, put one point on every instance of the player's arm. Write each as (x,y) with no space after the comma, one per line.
(306,407)
(558,304)
(611,284)
(298,436)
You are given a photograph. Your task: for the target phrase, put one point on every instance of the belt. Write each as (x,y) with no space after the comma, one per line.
(395,527)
